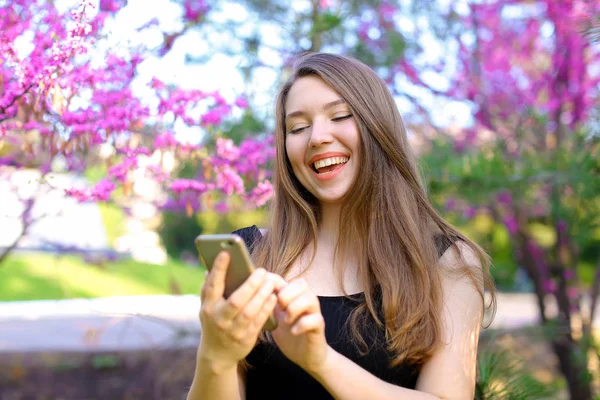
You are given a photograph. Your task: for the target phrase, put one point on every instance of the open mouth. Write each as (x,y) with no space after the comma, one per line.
(329,164)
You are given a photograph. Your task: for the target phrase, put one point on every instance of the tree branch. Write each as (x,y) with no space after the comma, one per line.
(26,223)
(315,40)
(17,97)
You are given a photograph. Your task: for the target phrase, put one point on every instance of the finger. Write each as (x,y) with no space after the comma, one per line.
(242,295)
(279,282)
(265,312)
(215,280)
(254,305)
(203,288)
(290,292)
(308,323)
(306,303)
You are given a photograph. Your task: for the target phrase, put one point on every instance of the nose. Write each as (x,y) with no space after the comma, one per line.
(320,133)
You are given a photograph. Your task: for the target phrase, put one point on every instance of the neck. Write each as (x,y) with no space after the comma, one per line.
(329,224)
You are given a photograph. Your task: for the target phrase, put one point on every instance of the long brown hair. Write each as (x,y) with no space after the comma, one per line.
(386,216)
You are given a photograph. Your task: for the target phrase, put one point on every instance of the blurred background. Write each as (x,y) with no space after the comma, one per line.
(127,128)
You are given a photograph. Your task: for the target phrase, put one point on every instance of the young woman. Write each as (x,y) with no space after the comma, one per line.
(376,296)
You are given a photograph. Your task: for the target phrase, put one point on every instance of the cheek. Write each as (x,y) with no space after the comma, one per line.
(355,142)
(294,151)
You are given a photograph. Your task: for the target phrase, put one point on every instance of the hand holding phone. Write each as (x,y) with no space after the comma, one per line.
(240,265)
(231,327)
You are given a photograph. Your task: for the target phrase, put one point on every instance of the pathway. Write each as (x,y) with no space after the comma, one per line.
(132,323)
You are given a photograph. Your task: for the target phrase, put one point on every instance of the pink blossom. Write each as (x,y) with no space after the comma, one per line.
(78,104)
(221,207)
(511,83)
(195,9)
(511,224)
(165,141)
(229,181)
(8,160)
(103,190)
(411,72)
(111,5)
(157,173)
(241,102)
(504,198)
(261,193)
(387,11)
(180,186)
(214,116)
(450,205)
(325,3)
(121,171)
(227,150)
(363,31)
(80,195)
(155,83)
(470,212)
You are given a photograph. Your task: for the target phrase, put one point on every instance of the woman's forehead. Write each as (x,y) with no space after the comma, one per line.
(310,90)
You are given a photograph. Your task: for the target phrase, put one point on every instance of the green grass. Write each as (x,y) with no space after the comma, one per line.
(37,277)
(114,221)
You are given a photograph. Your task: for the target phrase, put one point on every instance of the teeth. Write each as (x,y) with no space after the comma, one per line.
(330,161)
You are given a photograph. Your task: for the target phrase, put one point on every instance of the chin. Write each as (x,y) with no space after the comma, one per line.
(331,198)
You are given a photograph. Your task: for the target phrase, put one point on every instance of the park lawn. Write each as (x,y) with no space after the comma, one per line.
(48,277)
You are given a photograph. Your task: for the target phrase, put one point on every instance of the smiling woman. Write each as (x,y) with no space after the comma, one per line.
(375,294)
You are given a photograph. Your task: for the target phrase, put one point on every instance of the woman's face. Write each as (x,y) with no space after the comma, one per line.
(322,140)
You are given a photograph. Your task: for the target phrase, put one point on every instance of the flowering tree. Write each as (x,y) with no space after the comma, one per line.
(62,104)
(66,105)
(530,161)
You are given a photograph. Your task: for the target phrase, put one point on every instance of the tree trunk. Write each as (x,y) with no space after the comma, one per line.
(26,221)
(573,365)
(572,358)
(315,39)
(4,253)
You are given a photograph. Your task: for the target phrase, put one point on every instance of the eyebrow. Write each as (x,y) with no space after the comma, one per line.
(326,106)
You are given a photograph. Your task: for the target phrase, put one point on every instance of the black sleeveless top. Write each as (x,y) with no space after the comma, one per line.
(272,375)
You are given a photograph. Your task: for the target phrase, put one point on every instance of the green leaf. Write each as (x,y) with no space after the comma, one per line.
(329,21)
(502,376)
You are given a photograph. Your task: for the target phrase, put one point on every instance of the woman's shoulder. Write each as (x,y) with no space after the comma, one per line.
(250,234)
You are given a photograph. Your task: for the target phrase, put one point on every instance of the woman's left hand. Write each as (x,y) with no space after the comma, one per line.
(300,333)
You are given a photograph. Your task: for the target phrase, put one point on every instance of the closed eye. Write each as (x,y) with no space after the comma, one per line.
(343,117)
(298,130)
(336,119)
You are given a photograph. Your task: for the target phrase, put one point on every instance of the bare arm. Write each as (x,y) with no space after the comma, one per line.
(230,328)
(213,382)
(451,372)
(448,375)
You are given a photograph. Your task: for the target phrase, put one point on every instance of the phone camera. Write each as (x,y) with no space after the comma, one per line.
(227,244)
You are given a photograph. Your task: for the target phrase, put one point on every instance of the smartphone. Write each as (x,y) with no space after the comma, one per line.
(240,266)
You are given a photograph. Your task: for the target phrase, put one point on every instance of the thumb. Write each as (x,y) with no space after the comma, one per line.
(214,286)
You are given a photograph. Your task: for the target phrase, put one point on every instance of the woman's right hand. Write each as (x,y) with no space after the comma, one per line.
(230,327)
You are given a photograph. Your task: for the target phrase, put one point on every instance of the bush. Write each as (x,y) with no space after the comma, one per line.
(178,232)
